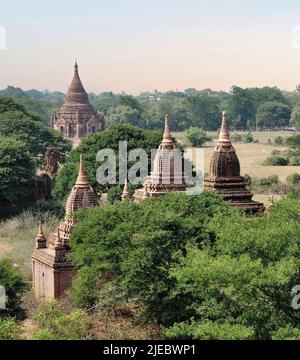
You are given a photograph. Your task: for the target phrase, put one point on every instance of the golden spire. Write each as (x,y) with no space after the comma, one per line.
(167,138)
(82,179)
(224,136)
(125,194)
(40,239)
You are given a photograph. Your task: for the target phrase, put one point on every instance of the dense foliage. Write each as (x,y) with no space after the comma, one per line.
(55,324)
(23,142)
(196,266)
(108,139)
(15,286)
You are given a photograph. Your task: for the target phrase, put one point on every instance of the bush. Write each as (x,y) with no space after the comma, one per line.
(209,330)
(276,161)
(294,161)
(10,329)
(131,247)
(293,179)
(248,138)
(15,286)
(114,194)
(279,140)
(197,136)
(236,137)
(56,325)
(276,152)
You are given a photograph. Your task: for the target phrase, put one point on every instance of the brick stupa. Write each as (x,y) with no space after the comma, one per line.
(52,271)
(77,118)
(224,174)
(167,174)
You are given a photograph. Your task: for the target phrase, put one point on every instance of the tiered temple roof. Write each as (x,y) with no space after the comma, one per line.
(50,257)
(224,174)
(167,174)
(77,118)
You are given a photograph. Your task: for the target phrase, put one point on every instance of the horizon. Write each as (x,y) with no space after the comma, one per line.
(165,46)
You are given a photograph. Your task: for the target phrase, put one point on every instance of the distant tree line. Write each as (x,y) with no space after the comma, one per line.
(248,108)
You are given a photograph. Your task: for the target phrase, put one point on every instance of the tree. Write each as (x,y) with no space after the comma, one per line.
(273,115)
(197,136)
(122,114)
(15,286)
(134,246)
(16,175)
(206,111)
(295,119)
(89,147)
(246,279)
(36,136)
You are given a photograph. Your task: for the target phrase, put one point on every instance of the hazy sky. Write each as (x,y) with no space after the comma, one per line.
(137,45)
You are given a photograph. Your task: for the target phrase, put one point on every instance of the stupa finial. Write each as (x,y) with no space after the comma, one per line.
(82,179)
(41,242)
(224,136)
(125,195)
(167,138)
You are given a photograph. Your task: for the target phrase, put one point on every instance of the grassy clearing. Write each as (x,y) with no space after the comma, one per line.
(251,155)
(17,238)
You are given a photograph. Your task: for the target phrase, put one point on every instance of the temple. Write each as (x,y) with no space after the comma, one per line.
(167,174)
(77,118)
(52,271)
(224,174)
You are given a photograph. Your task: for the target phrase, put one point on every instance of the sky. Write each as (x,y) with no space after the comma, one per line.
(138,45)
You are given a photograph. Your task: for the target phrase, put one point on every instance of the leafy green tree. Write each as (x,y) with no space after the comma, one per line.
(273,115)
(108,139)
(247,278)
(205,111)
(16,175)
(197,137)
(295,118)
(15,286)
(135,245)
(122,114)
(34,134)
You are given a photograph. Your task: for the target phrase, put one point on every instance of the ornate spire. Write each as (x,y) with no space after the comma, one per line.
(82,179)
(224,136)
(76,92)
(167,138)
(41,242)
(125,195)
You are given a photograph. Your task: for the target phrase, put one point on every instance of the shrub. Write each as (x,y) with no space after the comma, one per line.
(248,138)
(56,325)
(294,161)
(15,286)
(279,140)
(114,194)
(209,330)
(293,179)
(10,329)
(131,248)
(276,152)
(236,137)
(276,161)
(197,136)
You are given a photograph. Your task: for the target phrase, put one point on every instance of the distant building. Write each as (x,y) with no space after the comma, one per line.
(77,118)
